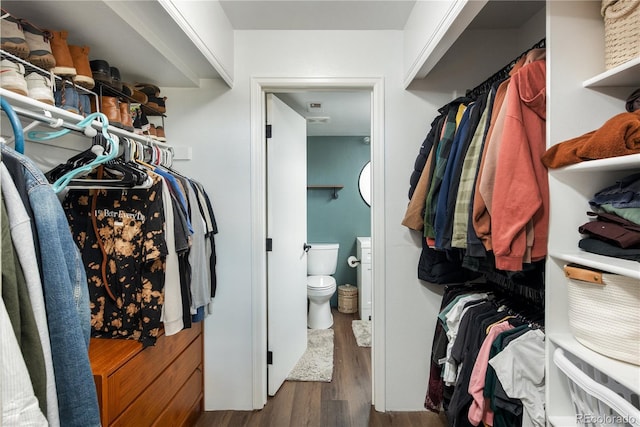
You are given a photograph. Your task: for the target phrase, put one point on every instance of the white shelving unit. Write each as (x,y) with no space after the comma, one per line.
(581,97)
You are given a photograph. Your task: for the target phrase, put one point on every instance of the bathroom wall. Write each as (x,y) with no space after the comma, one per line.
(337,160)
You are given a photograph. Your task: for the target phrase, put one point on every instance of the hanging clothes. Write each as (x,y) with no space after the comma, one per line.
(65,292)
(120,234)
(23,239)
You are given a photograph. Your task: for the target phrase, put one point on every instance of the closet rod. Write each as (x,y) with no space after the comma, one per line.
(87,130)
(501,74)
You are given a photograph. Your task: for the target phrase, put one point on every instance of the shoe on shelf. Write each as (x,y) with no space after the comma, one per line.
(12,36)
(160,134)
(109,106)
(85,104)
(116,82)
(39,42)
(40,88)
(12,77)
(148,89)
(101,71)
(140,122)
(80,58)
(60,49)
(158,104)
(125,115)
(67,98)
(133,93)
(152,131)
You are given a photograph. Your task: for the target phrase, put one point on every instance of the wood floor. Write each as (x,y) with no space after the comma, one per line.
(344,402)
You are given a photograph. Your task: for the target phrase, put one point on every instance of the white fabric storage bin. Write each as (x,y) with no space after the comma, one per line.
(604,312)
(597,399)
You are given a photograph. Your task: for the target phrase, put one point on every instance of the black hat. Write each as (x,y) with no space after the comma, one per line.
(634,98)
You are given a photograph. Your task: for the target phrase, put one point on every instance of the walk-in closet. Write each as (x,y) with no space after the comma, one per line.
(198,72)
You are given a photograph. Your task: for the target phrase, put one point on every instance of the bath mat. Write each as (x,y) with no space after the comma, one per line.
(316,364)
(362,332)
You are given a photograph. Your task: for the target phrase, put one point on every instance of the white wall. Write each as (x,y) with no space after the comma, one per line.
(215,121)
(208,27)
(431,29)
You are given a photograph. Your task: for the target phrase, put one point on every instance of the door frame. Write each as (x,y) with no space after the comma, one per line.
(259,87)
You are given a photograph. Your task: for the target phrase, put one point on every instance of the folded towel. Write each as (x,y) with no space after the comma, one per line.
(618,136)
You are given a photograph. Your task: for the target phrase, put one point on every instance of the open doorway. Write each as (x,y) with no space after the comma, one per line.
(278,85)
(338,149)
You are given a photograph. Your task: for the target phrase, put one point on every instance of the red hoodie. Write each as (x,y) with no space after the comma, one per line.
(521,191)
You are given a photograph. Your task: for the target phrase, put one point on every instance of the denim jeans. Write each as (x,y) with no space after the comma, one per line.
(625,193)
(66,300)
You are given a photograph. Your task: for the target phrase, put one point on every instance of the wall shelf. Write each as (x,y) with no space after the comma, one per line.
(334,187)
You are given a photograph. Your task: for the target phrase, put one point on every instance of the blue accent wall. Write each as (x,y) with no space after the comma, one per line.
(337,160)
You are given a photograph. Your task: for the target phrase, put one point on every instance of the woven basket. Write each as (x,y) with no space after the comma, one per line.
(347,299)
(604,313)
(621,31)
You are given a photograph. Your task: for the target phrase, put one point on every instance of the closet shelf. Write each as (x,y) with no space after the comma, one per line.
(619,163)
(626,74)
(51,111)
(622,372)
(334,187)
(623,267)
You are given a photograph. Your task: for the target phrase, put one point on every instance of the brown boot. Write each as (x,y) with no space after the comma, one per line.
(80,58)
(125,116)
(60,49)
(109,107)
(160,133)
(152,131)
(39,46)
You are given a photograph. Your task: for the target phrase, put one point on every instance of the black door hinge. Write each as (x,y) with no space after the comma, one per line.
(269,358)
(269,244)
(268,131)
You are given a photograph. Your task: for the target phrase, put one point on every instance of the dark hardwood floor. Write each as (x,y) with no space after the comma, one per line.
(344,402)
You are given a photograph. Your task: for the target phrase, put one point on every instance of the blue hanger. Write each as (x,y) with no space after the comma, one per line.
(15,124)
(101,157)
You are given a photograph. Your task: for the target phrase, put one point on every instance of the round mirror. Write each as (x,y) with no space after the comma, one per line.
(364,183)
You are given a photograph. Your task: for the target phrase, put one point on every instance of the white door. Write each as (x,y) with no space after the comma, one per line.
(287,229)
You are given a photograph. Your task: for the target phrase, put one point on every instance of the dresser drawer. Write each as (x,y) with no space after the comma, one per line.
(186,407)
(160,394)
(136,375)
(123,372)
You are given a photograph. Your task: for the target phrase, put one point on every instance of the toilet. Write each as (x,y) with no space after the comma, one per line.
(322,260)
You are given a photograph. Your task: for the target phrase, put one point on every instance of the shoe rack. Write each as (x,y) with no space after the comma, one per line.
(56,80)
(37,115)
(104,89)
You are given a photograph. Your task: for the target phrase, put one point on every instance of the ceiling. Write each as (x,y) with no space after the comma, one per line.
(340,113)
(317,14)
(348,112)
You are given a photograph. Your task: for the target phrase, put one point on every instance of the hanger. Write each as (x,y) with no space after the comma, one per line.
(118,173)
(100,158)
(15,124)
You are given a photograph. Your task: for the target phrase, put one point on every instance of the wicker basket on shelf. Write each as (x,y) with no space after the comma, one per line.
(603,312)
(621,31)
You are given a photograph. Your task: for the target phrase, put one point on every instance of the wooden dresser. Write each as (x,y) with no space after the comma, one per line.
(158,386)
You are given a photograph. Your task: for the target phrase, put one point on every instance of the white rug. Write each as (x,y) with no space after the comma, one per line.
(316,364)
(362,332)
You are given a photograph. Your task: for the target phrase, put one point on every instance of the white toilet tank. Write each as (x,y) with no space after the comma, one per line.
(322,259)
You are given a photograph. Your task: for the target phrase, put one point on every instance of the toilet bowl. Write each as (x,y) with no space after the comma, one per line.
(321,264)
(320,289)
